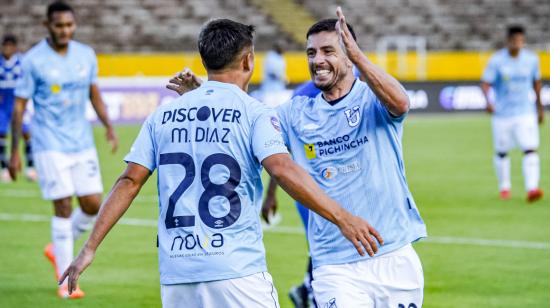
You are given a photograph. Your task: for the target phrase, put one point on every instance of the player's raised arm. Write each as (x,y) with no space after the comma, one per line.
(300,186)
(118,201)
(101,111)
(16,133)
(388,90)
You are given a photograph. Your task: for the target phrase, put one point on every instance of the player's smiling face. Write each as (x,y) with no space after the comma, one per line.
(61,26)
(328,64)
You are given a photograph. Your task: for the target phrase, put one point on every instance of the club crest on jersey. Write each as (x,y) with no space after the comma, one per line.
(353,116)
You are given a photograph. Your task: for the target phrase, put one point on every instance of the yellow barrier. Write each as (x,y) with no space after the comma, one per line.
(442,66)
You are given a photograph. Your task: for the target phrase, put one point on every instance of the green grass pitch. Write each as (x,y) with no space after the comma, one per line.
(483,252)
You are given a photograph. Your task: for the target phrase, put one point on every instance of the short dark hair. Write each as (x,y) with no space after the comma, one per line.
(328,25)
(9,38)
(222,40)
(515,29)
(58,6)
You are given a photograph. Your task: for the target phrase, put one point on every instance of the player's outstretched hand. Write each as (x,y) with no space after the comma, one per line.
(361,234)
(184,82)
(14,166)
(269,207)
(346,39)
(112,139)
(84,259)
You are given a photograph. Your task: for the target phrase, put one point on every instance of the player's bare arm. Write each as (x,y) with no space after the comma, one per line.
(101,111)
(269,206)
(537,86)
(184,82)
(16,132)
(300,186)
(387,89)
(485,87)
(117,202)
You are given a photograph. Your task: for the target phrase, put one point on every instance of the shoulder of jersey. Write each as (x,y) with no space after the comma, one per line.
(530,53)
(36,49)
(81,47)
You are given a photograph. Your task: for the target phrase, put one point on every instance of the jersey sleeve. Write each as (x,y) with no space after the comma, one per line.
(383,110)
(282,113)
(490,73)
(266,135)
(26,85)
(142,151)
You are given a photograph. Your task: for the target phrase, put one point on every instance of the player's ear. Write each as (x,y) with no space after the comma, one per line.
(248,61)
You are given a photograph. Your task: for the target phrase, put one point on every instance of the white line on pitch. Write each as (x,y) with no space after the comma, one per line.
(35,194)
(449,240)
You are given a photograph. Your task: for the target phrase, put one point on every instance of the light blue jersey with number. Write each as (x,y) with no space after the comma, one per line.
(512,80)
(59,86)
(208,146)
(353,151)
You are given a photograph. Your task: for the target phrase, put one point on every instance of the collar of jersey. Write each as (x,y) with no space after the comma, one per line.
(51,50)
(321,101)
(224,85)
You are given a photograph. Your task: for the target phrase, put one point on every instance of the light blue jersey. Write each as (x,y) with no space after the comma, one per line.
(353,151)
(512,79)
(208,146)
(274,76)
(59,86)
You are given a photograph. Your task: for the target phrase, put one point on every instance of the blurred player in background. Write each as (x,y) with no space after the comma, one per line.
(272,90)
(10,71)
(274,67)
(209,146)
(513,73)
(60,76)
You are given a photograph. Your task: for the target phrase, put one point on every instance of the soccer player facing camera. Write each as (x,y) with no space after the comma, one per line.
(514,72)
(60,76)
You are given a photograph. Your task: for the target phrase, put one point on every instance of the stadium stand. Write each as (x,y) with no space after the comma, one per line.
(137,25)
(172,25)
(447,24)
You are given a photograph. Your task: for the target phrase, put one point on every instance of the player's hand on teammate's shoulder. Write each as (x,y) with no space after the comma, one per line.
(72,273)
(362,235)
(112,138)
(184,82)
(346,39)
